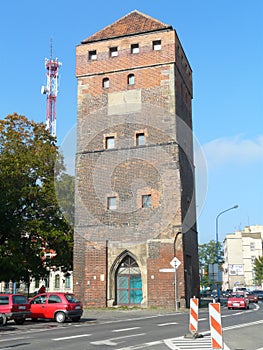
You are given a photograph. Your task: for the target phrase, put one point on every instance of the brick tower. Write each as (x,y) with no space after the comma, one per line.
(135,196)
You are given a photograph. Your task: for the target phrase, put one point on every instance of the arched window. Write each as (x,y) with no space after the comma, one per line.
(129,282)
(131,80)
(106,83)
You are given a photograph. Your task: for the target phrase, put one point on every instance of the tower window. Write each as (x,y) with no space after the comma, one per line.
(157,45)
(131,79)
(92,55)
(109,142)
(146,201)
(135,48)
(111,203)
(140,139)
(106,83)
(113,51)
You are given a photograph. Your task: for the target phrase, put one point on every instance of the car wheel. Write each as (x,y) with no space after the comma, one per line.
(60,317)
(75,319)
(19,321)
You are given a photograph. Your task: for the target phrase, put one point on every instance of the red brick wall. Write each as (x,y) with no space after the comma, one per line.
(165,79)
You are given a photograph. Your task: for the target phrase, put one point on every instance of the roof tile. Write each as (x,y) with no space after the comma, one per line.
(134,22)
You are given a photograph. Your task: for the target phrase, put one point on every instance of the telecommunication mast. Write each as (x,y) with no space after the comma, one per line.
(51,90)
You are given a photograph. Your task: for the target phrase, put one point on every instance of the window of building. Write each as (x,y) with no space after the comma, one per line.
(109,142)
(106,83)
(57,281)
(135,48)
(67,282)
(131,79)
(252,246)
(112,203)
(157,45)
(36,283)
(140,139)
(113,51)
(146,201)
(92,55)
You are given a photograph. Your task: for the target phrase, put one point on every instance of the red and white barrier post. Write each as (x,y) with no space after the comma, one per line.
(215,325)
(193,325)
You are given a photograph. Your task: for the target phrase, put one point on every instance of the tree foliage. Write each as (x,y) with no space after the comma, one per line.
(207,255)
(31,221)
(258,268)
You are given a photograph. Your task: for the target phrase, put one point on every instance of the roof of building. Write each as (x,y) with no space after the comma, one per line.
(133,23)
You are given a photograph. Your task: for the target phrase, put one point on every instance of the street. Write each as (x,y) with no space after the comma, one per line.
(137,329)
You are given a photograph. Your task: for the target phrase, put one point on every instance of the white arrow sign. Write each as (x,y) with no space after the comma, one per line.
(175,263)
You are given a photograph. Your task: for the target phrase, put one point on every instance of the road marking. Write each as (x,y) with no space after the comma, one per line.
(167,324)
(243,325)
(72,337)
(184,343)
(142,346)
(17,338)
(125,329)
(110,341)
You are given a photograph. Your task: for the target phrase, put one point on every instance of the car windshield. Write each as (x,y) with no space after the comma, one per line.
(237,295)
(71,298)
(19,299)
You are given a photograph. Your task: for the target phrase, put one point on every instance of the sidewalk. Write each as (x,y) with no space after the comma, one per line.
(118,313)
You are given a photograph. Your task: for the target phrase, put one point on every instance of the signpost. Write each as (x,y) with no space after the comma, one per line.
(175,263)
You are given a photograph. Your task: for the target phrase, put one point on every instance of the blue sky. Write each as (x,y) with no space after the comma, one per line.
(223,41)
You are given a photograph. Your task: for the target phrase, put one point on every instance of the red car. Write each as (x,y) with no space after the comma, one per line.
(59,306)
(238,300)
(14,307)
(252,297)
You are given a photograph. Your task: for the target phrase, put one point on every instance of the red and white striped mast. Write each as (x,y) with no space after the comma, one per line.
(51,90)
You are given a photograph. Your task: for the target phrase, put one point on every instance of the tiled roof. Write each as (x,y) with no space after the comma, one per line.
(133,23)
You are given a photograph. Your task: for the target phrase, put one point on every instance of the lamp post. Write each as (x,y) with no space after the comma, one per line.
(217,255)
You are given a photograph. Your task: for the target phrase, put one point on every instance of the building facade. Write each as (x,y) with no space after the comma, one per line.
(241,248)
(135,204)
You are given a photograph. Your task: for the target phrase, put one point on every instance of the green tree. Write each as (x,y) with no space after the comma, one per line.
(65,191)
(258,268)
(207,255)
(31,221)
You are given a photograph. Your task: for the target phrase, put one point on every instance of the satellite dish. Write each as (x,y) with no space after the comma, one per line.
(43,90)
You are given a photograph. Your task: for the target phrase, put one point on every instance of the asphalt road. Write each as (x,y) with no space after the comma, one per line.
(137,329)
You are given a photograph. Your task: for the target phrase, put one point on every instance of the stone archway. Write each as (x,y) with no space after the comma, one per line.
(128,282)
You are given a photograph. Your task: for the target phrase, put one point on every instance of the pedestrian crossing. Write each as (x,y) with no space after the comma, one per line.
(182,343)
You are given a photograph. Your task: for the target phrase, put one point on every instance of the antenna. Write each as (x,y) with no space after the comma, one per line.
(51,90)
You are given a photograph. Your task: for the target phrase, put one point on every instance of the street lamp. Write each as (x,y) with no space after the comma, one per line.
(217,255)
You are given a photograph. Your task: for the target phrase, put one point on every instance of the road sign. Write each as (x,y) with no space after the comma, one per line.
(175,263)
(167,270)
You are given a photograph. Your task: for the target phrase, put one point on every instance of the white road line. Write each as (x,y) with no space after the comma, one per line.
(72,337)
(142,346)
(110,341)
(17,338)
(125,329)
(166,324)
(242,325)
(139,318)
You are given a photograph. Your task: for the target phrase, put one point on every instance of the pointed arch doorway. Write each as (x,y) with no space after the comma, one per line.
(128,282)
